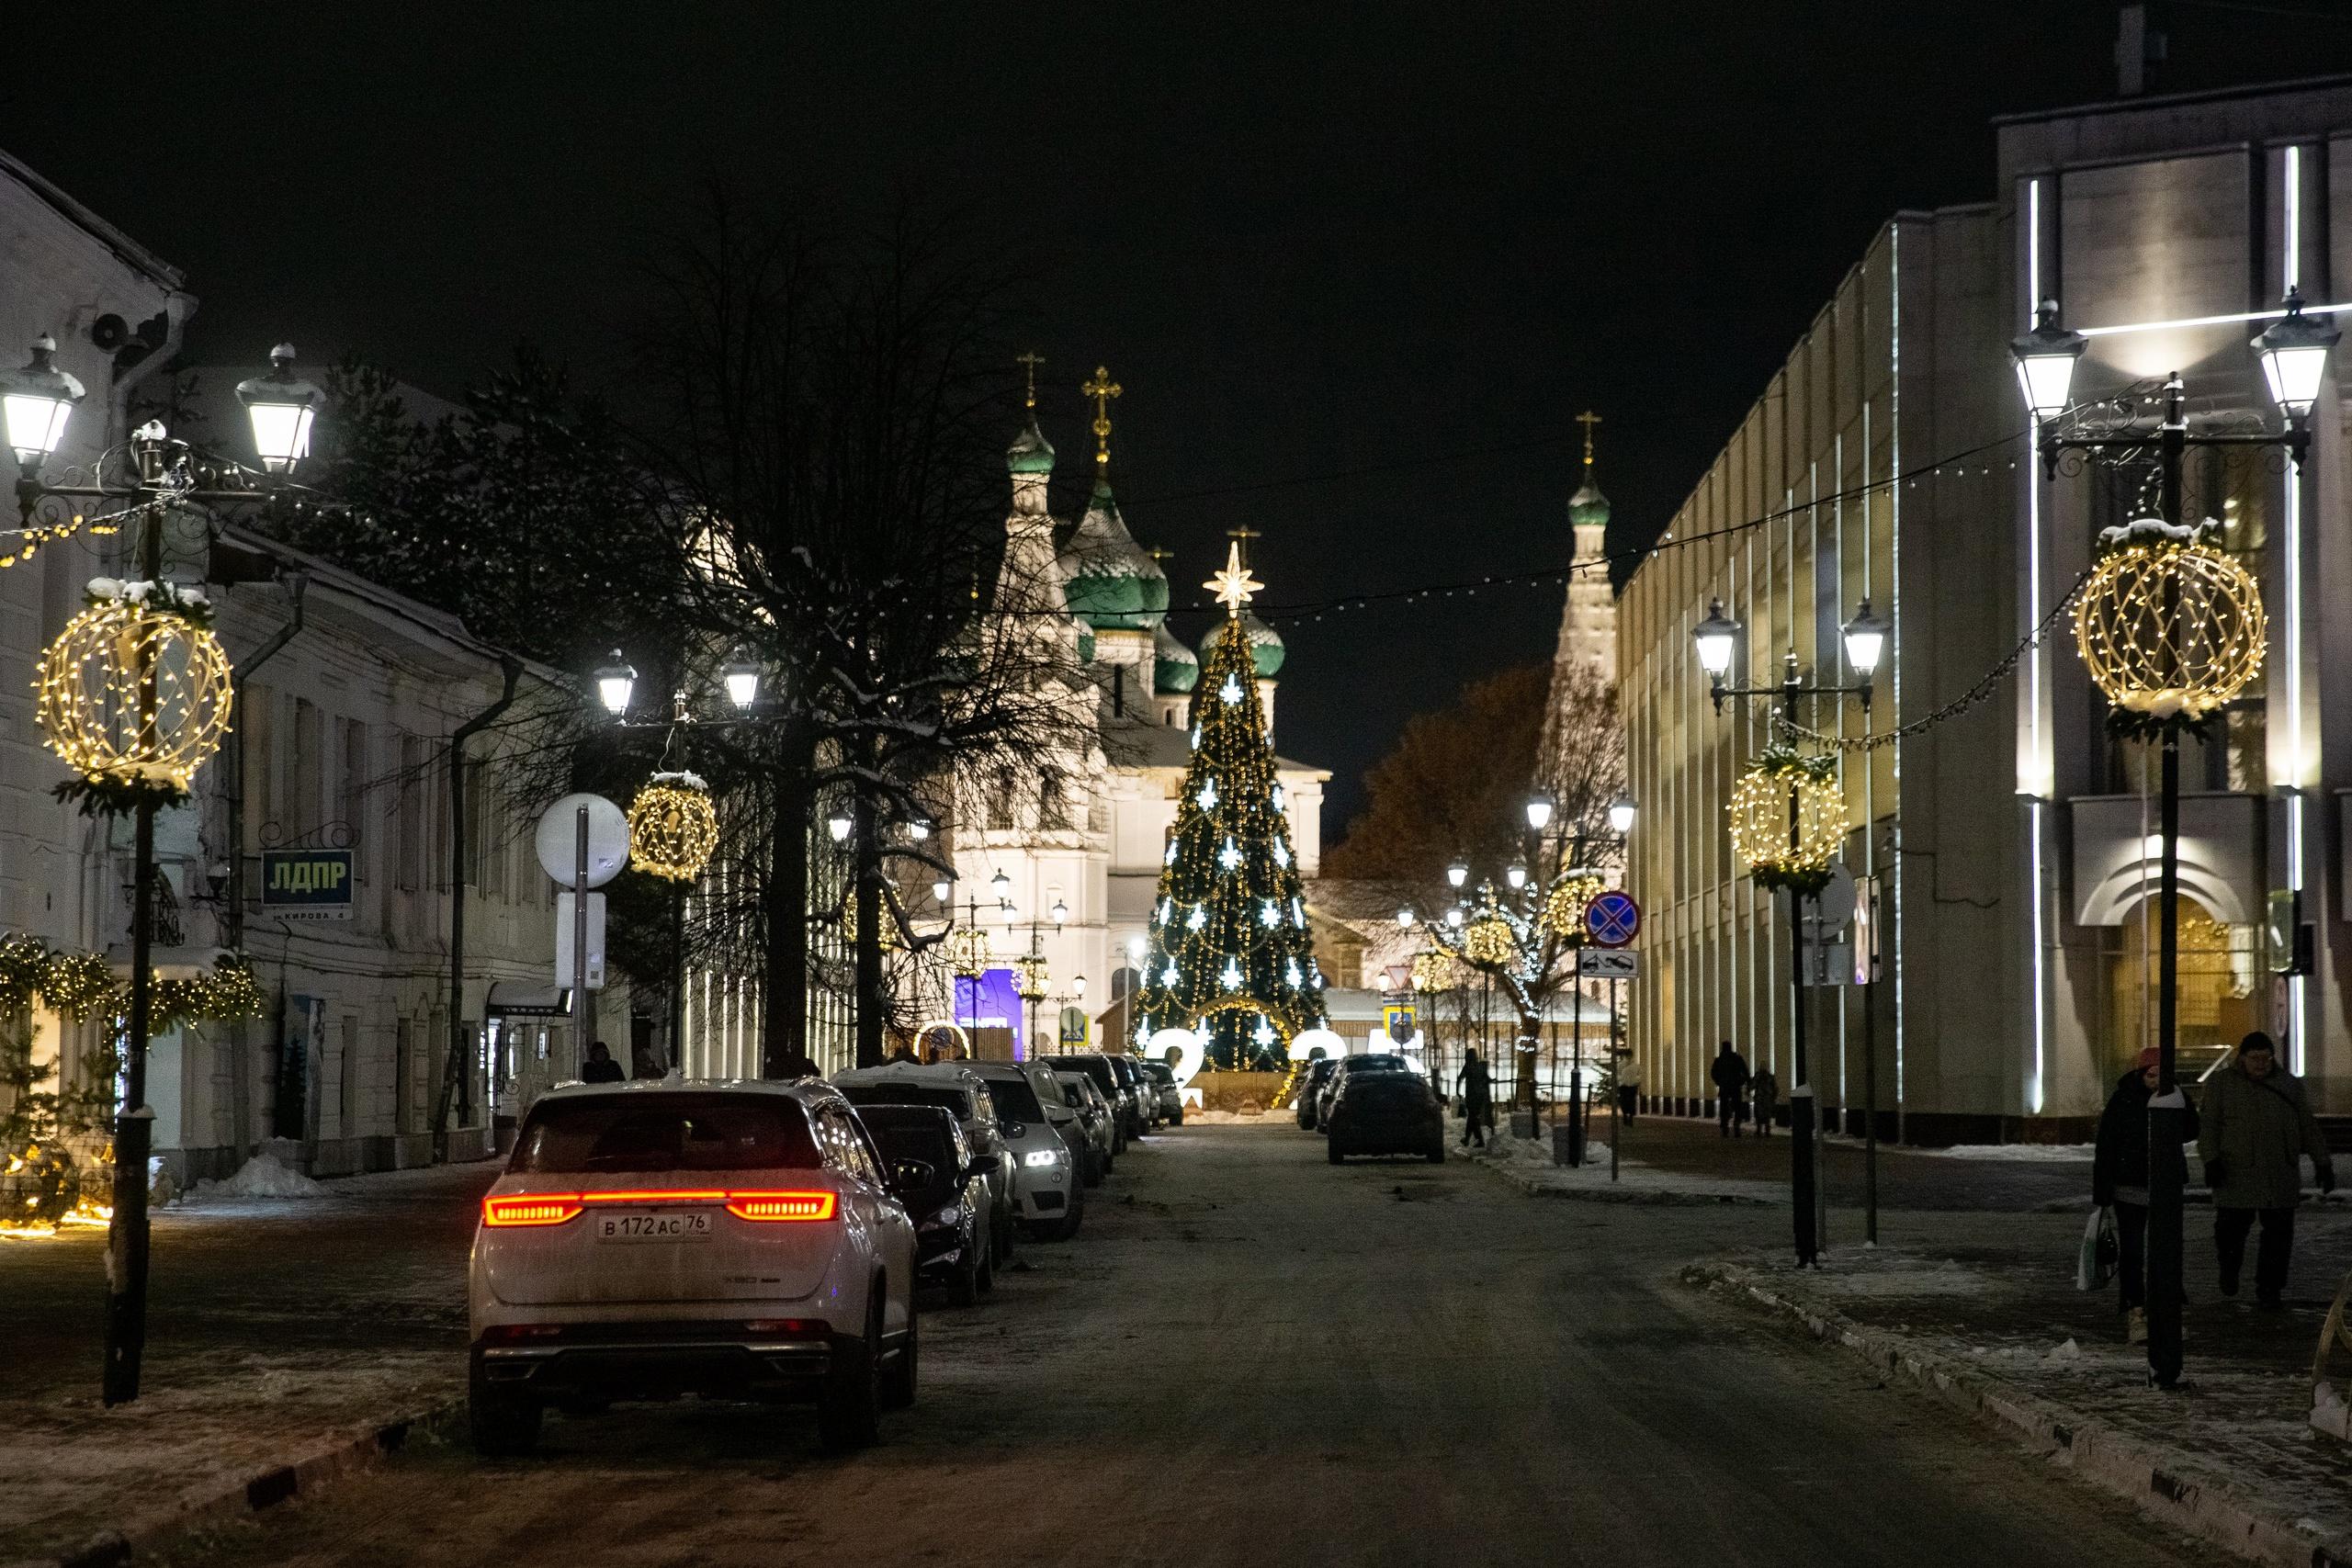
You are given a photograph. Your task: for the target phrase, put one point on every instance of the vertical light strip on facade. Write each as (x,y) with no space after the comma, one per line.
(1895,599)
(2291,648)
(2034,776)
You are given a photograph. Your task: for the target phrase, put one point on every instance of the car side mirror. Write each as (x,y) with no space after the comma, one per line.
(1061,1113)
(911,1175)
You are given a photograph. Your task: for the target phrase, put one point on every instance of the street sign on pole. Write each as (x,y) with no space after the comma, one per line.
(1608,964)
(565,925)
(1612,919)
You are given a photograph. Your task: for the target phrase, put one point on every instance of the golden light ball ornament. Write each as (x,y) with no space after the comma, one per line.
(135,699)
(1760,812)
(1029,978)
(1564,906)
(967,952)
(673,827)
(1435,971)
(2169,630)
(1487,941)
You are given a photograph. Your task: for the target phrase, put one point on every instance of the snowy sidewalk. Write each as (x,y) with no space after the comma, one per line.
(1526,1164)
(1981,1312)
(282,1330)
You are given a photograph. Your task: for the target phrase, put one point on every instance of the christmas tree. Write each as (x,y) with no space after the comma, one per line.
(1230,955)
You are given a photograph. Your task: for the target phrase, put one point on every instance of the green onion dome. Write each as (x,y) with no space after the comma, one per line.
(1107,578)
(1030,453)
(1588,507)
(1266,650)
(1174,670)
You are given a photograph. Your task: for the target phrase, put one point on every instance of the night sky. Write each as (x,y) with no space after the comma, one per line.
(1307,239)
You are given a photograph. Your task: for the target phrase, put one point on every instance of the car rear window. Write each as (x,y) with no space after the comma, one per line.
(647,1132)
(1015,1100)
(1099,1069)
(948,1099)
(1386,1089)
(911,1140)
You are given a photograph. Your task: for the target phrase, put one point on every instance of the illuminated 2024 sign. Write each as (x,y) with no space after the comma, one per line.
(307,883)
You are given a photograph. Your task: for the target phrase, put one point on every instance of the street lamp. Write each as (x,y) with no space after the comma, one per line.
(1002,886)
(37,401)
(1865,637)
(1457,874)
(742,678)
(941,890)
(1405,917)
(1540,807)
(281,406)
(2293,353)
(615,683)
(1516,874)
(919,829)
(1078,987)
(1714,637)
(2158,593)
(1060,912)
(838,822)
(1620,814)
(2046,359)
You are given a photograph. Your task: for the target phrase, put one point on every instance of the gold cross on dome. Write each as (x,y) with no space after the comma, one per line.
(1587,418)
(1242,535)
(1234,585)
(1029,362)
(1102,389)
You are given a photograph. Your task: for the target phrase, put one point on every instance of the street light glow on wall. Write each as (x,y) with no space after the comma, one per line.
(37,401)
(2293,352)
(282,407)
(2046,359)
(614,683)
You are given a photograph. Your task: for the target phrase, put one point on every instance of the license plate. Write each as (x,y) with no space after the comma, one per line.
(688,1224)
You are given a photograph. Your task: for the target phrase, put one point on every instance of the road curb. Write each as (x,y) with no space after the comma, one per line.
(353,1449)
(1529,1182)
(2148,1474)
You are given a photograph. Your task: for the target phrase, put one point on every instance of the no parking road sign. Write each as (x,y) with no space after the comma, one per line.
(1612,919)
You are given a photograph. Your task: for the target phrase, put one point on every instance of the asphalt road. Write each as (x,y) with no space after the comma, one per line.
(1262,1359)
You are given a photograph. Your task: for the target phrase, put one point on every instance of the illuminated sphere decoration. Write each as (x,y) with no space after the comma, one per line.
(1029,977)
(2169,630)
(1760,809)
(967,952)
(134,699)
(1564,909)
(673,827)
(1487,942)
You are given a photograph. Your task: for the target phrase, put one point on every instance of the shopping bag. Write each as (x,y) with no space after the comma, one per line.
(2095,1260)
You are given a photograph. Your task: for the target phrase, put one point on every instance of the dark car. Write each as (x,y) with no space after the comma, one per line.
(955,1088)
(945,1187)
(1371,1062)
(1143,1098)
(1385,1113)
(1171,1098)
(1097,1066)
(1310,1093)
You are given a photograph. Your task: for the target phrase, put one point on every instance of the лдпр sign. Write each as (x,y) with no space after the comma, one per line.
(307,883)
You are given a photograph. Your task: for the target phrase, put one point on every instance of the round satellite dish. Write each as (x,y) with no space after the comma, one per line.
(558,840)
(1306,1041)
(1180,1049)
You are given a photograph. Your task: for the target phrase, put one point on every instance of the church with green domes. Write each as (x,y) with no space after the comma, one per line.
(1081,840)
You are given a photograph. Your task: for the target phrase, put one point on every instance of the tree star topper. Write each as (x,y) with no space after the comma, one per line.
(1234,585)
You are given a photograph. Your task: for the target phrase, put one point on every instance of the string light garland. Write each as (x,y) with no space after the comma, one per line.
(673,827)
(1760,809)
(2168,627)
(1487,941)
(134,694)
(1564,906)
(1436,971)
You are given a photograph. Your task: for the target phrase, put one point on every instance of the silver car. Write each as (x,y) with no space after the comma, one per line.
(1031,1115)
(1095,1114)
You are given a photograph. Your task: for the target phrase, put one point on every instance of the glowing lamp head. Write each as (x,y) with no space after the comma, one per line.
(1078,987)
(918,829)
(614,683)
(1060,911)
(1620,814)
(1713,638)
(941,890)
(1405,917)
(1135,950)
(837,823)
(1457,874)
(1453,916)
(2046,359)
(1002,886)
(1517,876)
(281,406)
(2294,351)
(1865,637)
(742,678)
(1540,807)
(35,402)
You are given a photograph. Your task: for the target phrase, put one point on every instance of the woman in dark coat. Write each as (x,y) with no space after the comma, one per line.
(2119,1179)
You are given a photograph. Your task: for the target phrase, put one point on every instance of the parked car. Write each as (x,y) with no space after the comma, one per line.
(662,1237)
(956,1088)
(1097,1066)
(946,1187)
(1171,1098)
(1310,1091)
(1143,1103)
(1385,1113)
(1094,1114)
(1371,1062)
(1052,1196)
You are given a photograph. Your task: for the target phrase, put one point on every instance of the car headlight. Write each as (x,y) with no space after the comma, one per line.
(952,1215)
(1041,1157)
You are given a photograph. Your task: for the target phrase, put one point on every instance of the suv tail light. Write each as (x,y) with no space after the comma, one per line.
(817,1205)
(531,1209)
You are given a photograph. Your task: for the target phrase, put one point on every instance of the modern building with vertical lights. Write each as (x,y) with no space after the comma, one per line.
(1892,458)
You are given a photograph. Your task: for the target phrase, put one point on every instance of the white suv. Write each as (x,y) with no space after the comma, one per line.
(732,1240)
(1030,1115)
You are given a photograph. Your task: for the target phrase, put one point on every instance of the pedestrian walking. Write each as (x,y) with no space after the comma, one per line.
(901,1052)
(2120,1181)
(2258,1127)
(1629,1086)
(645,1062)
(1766,1087)
(1477,1097)
(1730,1073)
(600,1067)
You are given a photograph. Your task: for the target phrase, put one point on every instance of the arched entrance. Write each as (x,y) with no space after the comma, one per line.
(2219,995)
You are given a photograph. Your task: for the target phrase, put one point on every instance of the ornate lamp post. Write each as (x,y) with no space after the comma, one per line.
(1794,855)
(2169,629)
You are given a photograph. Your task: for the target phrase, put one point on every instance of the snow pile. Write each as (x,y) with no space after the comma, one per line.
(1890,1274)
(262,1176)
(1237,1118)
(2021,1153)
